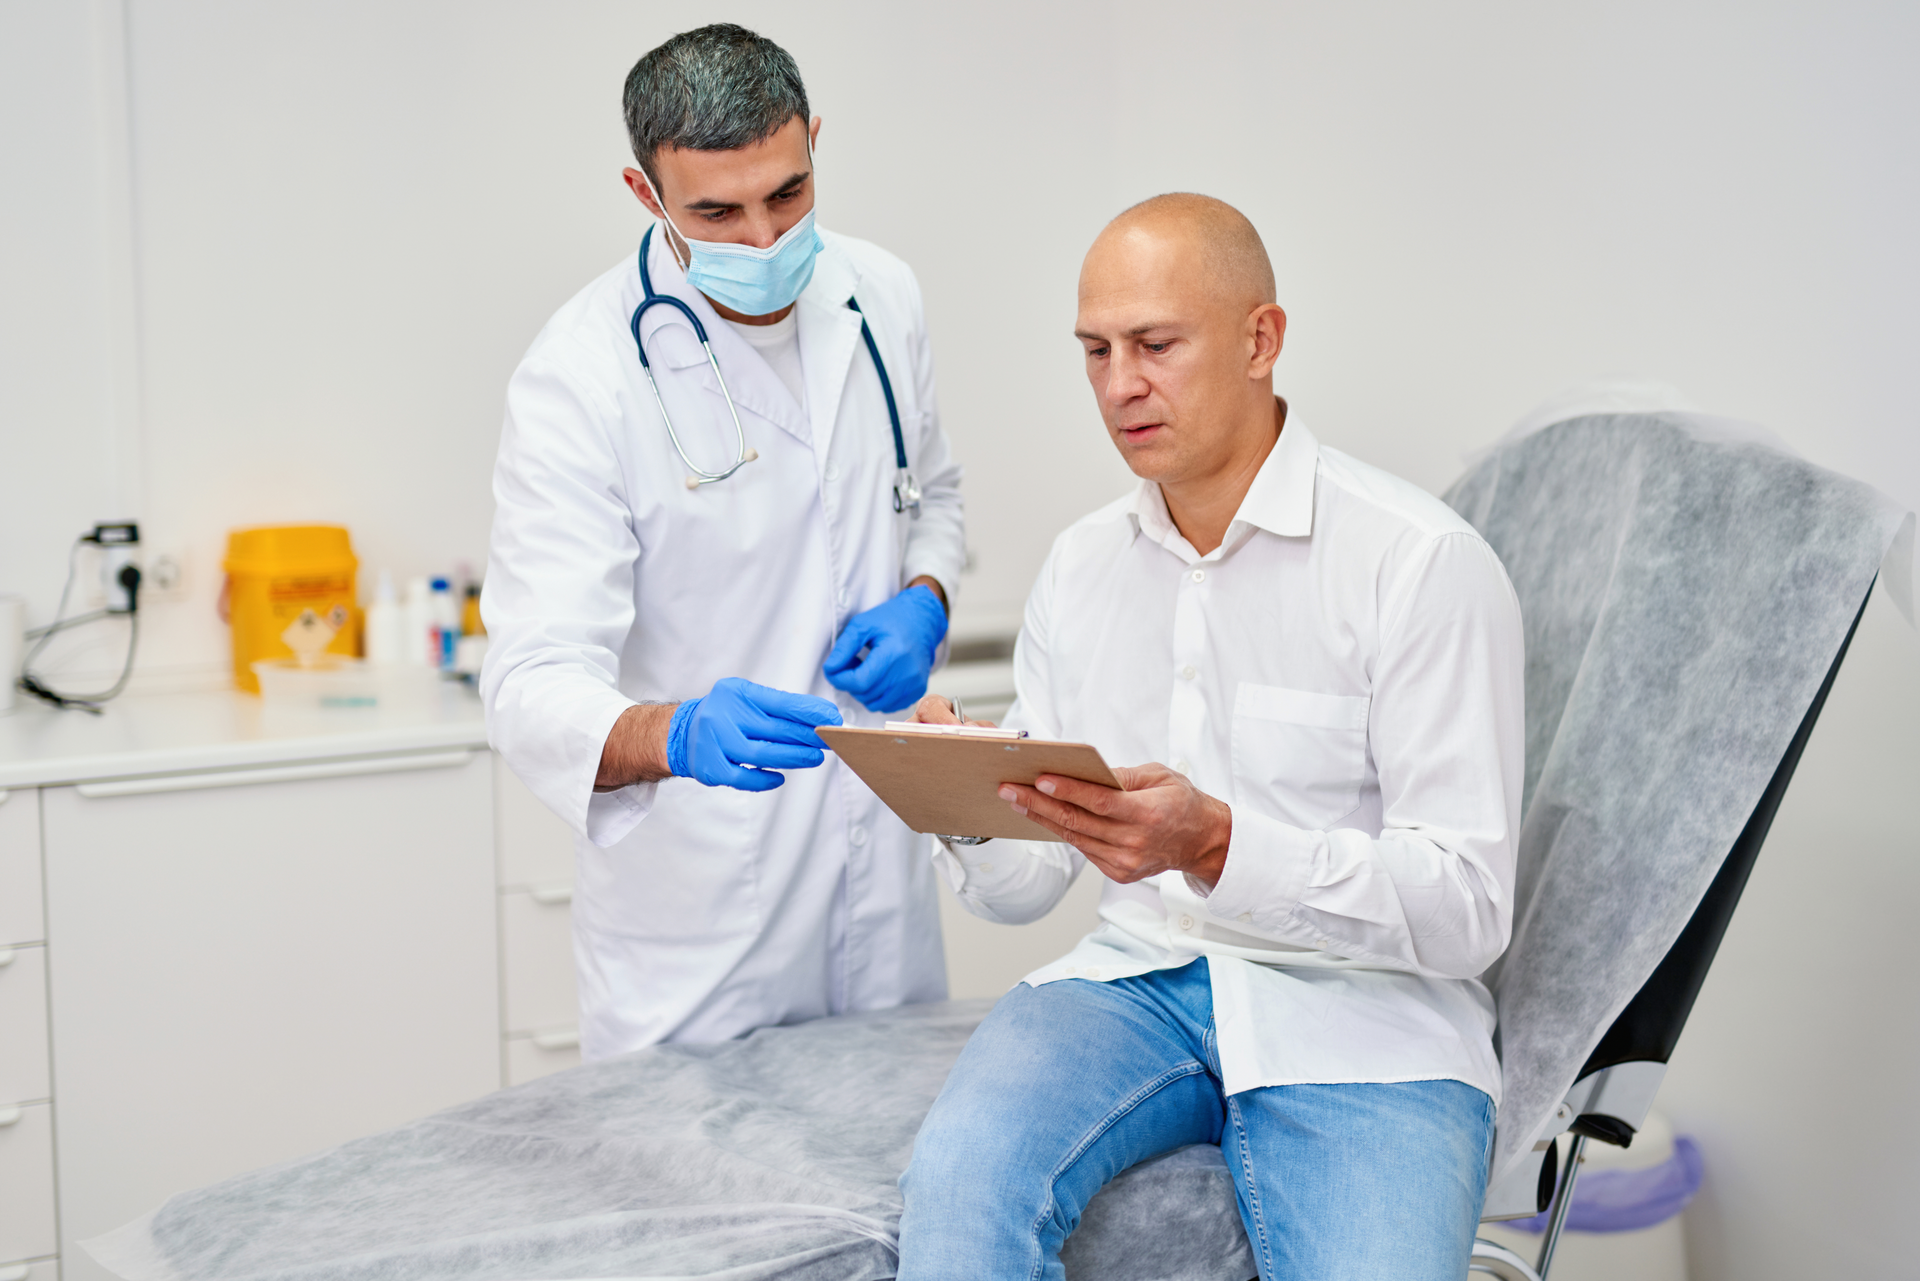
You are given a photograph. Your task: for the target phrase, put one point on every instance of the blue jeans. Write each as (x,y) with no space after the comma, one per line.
(1066,1085)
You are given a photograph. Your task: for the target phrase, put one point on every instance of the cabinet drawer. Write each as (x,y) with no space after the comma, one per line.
(42,1270)
(537,935)
(531,1057)
(23,1027)
(534,847)
(26,1181)
(249,973)
(21,918)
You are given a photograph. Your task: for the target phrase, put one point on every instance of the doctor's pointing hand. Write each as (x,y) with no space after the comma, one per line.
(726,516)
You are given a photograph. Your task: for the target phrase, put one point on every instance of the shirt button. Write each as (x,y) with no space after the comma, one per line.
(843,598)
(1180,767)
(1186,922)
(833,471)
(858,836)
(986,867)
(1199,575)
(1322,944)
(1246,917)
(1187,673)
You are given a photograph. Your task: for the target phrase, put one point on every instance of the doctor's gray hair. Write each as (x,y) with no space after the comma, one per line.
(717,88)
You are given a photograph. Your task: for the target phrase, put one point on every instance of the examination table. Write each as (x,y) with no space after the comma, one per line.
(1687,593)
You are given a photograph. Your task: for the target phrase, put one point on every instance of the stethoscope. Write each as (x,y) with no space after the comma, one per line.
(906,491)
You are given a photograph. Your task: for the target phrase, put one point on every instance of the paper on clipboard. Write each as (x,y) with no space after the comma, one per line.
(950,783)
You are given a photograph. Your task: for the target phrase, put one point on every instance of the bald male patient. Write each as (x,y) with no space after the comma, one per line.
(1318,668)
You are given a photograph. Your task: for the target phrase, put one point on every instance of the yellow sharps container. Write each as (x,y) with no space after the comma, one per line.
(275,576)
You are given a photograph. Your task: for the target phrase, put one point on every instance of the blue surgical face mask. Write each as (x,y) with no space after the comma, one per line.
(753,282)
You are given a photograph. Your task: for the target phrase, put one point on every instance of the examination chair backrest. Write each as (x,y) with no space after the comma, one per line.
(1685,596)
(1646,1031)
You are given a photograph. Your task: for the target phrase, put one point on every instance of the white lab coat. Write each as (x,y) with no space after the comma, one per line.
(609,582)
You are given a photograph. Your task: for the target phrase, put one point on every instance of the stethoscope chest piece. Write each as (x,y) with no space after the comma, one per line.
(906,493)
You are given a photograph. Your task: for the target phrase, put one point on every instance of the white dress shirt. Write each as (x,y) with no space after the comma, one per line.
(1344,670)
(701,913)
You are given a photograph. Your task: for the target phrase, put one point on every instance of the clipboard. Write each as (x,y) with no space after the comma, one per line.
(949,783)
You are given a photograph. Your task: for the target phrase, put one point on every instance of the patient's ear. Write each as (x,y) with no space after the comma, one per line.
(1267,326)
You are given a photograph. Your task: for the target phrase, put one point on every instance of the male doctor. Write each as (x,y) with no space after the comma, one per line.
(664,641)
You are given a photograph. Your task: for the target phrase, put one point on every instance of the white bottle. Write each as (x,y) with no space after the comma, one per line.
(417,649)
(386,625)
(446,623)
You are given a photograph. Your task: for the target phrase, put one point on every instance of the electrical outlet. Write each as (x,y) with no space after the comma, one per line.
(166,577)
(117,545)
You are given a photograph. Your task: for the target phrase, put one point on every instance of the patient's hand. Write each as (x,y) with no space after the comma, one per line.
(937,709)
(1160,822)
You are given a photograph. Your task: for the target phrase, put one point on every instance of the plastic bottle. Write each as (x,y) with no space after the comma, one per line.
(386,625)
(470,624)
(417,646)
(446,623)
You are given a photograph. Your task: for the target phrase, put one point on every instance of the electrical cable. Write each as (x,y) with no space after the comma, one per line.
(35,633)
(129,580)
(60,611)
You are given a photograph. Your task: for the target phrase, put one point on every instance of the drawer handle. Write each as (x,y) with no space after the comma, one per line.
(11,1116)
(4,794)
(6,959)
(551,895)
(568,1040)
(15,1272)
(280,774)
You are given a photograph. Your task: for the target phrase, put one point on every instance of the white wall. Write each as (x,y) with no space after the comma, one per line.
(1797,1068)
(341,223)
(68,365)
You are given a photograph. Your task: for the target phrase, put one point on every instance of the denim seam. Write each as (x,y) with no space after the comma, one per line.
(1092,1136)
(1211,1042)
(1265,1248)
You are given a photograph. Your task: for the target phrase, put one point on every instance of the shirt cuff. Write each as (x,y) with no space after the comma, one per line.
(1266,872)
(1007,881)
(947,859)
(611,815)
(939,568)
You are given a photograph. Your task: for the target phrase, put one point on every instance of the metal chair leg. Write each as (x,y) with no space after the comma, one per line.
(1562,1202)
(1501,1262)
(1508,1266)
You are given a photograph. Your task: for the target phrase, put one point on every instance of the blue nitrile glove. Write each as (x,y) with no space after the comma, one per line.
(898,639)
(738,734)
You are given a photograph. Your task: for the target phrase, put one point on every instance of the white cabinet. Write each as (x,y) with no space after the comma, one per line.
(20,919)
(39,1270)
(541,1054)
(23,1027)
(536,848)
(26,1181)
(26,1119)
(536,935)
(243,974)
(540,997)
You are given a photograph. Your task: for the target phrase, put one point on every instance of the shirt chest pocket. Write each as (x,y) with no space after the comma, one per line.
(1299,757)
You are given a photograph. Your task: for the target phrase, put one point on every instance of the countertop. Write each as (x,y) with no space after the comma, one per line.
(141,735)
